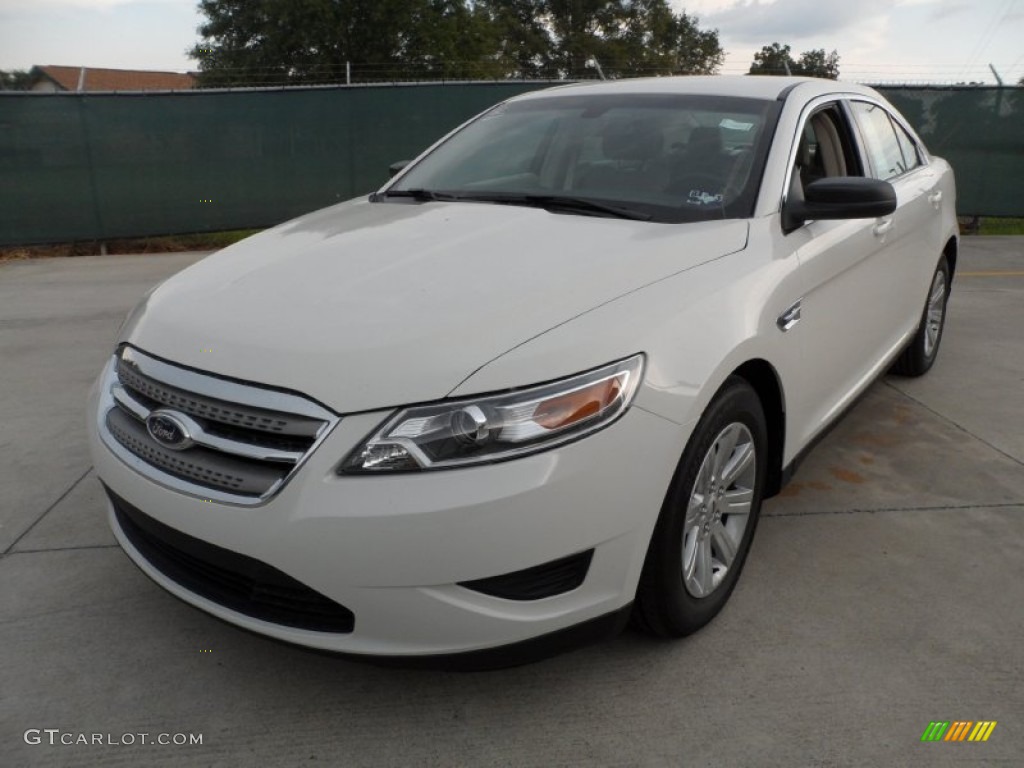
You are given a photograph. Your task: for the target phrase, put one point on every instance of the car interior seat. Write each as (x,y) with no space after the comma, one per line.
(633,160)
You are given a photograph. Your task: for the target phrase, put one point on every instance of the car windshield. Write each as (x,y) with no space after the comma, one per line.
(665,158)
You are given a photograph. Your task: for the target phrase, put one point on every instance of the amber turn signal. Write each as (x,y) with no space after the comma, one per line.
(567,409)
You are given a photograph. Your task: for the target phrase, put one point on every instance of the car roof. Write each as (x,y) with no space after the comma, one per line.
(757,87)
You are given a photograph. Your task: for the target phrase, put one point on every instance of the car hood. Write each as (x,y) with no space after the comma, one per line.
(369,305)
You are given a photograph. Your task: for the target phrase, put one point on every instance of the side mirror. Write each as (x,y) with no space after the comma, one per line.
(840,197)
(396,168)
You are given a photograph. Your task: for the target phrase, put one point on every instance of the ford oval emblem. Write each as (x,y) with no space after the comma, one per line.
(168,429)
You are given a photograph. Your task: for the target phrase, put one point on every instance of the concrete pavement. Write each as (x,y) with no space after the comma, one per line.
(885,589)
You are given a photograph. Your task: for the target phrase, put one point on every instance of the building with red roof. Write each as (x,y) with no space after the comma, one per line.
(54,78)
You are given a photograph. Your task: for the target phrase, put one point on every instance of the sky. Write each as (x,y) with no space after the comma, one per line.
(879,41)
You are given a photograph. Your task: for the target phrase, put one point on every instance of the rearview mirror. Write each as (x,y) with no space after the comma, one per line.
(839,197)
(396,168)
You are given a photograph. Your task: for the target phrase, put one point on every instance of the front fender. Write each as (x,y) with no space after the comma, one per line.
(696,328)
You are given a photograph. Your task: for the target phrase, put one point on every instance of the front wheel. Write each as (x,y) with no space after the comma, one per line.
(919,355)
(708,519)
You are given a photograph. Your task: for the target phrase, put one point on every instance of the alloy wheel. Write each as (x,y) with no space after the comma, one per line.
(719,509)
(935,314)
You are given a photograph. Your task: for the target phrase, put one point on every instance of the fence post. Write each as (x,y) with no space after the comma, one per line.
(90,165)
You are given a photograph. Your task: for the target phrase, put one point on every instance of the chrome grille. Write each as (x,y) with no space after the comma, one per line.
(244,441)
(207,468)
(208,408)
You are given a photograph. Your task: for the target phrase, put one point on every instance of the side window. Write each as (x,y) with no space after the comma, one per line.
(911,154)
(825,149)
(881,142)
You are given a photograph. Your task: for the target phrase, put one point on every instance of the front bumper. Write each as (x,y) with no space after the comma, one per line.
(394,549)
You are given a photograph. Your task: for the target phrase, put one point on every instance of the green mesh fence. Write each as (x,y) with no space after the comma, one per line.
(102,166)
(980,131)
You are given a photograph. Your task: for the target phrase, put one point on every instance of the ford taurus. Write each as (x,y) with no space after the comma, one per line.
(538,383)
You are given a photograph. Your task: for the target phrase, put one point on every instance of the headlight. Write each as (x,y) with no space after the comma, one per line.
(491,428)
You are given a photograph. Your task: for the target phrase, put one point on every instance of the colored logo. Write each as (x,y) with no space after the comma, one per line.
(958,730)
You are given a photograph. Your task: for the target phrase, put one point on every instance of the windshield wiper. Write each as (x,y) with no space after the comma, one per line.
(562,203)
(415,194)
(547,202)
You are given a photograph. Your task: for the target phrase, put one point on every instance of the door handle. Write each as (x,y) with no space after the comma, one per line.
(882,226)
(935,198)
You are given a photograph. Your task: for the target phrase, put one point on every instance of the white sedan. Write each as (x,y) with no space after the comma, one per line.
(537,384)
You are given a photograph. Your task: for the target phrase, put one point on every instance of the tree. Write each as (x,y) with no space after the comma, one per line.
(449,39)
(279,42)
(15,80)
(655,41)
(773,59)
(630,37)
(302,41)
(776,59)
(581,30)
(698,51)
(523,43)
(817,63)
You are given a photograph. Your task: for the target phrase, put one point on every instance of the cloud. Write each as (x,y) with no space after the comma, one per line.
(27,6)
(946,9)
(762,22)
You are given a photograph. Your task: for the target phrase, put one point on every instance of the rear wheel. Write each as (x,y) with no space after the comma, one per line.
(708,519)
(919,355)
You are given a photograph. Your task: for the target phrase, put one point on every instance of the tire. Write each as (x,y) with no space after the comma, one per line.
(922,350)
(676,596)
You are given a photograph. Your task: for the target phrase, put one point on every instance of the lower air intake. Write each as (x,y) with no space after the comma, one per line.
(540,581)
(237,582)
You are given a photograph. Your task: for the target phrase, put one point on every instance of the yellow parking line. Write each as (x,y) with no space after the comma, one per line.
(1004,273)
